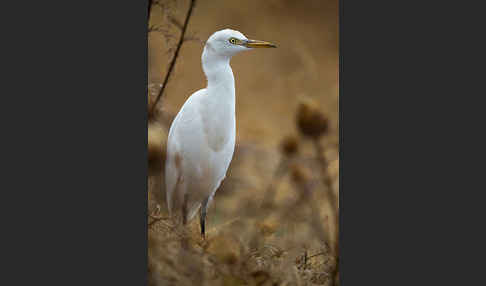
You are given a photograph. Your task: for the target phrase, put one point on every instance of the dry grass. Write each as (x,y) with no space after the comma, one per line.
(282,236)
(273,220)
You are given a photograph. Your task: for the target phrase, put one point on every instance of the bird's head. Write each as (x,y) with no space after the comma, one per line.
(228,42)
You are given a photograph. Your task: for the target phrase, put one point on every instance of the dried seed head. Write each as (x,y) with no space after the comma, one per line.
(310,120)
(289,145)
(260,277)
(298,174)
(225,247)
(230,258)
(267,228)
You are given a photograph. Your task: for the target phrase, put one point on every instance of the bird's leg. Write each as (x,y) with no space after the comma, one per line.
(185,239)
(202,222)
(202,218)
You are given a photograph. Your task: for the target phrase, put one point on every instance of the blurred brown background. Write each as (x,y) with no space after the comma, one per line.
(270,86)
(268,82)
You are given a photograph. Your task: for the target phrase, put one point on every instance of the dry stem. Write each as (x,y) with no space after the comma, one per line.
(174,58)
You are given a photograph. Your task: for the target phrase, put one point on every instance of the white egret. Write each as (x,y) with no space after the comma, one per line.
(201,138)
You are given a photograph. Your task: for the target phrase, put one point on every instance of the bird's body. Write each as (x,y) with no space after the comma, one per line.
(202,136)
(202,144)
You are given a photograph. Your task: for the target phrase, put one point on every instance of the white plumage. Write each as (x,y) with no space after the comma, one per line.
(202,136)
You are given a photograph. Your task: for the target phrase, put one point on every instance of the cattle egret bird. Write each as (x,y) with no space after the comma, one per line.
(202,136)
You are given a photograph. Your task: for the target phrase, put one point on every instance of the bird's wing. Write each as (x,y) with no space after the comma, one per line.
(182,124)
(223,165)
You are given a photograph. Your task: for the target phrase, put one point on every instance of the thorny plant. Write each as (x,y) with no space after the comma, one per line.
(166,8)
(156,148)
(313,125)
(240,252)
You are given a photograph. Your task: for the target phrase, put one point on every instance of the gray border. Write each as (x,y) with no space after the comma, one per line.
(79,146)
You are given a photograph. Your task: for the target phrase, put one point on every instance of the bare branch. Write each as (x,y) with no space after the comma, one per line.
(159,29)
(154,215)
(332,199)
(176,54)
(321,253)
(174,21)
(159,3)
(193,38)
(150,3)
(169,51)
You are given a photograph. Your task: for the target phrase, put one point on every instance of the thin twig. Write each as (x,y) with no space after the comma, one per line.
(149,9)
(158,217)
(332,199)
(194,39)
(274,182)
(321,253)
(155,217)
(174,21)
(160,29)
(326,178)
(176,54)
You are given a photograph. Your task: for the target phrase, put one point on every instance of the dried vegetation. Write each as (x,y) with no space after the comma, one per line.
(274,219)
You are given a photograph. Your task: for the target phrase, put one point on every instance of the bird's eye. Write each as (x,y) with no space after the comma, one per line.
(233,41)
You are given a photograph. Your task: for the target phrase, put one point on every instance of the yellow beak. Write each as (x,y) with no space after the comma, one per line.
(259,44)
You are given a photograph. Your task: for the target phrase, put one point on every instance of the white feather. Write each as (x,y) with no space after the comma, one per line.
(202,136)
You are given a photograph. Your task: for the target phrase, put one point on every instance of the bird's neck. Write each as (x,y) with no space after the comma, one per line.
(218,108)
(221,82)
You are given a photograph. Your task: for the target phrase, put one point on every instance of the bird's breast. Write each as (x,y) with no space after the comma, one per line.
(217,110)
(219,128)
(219,135)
